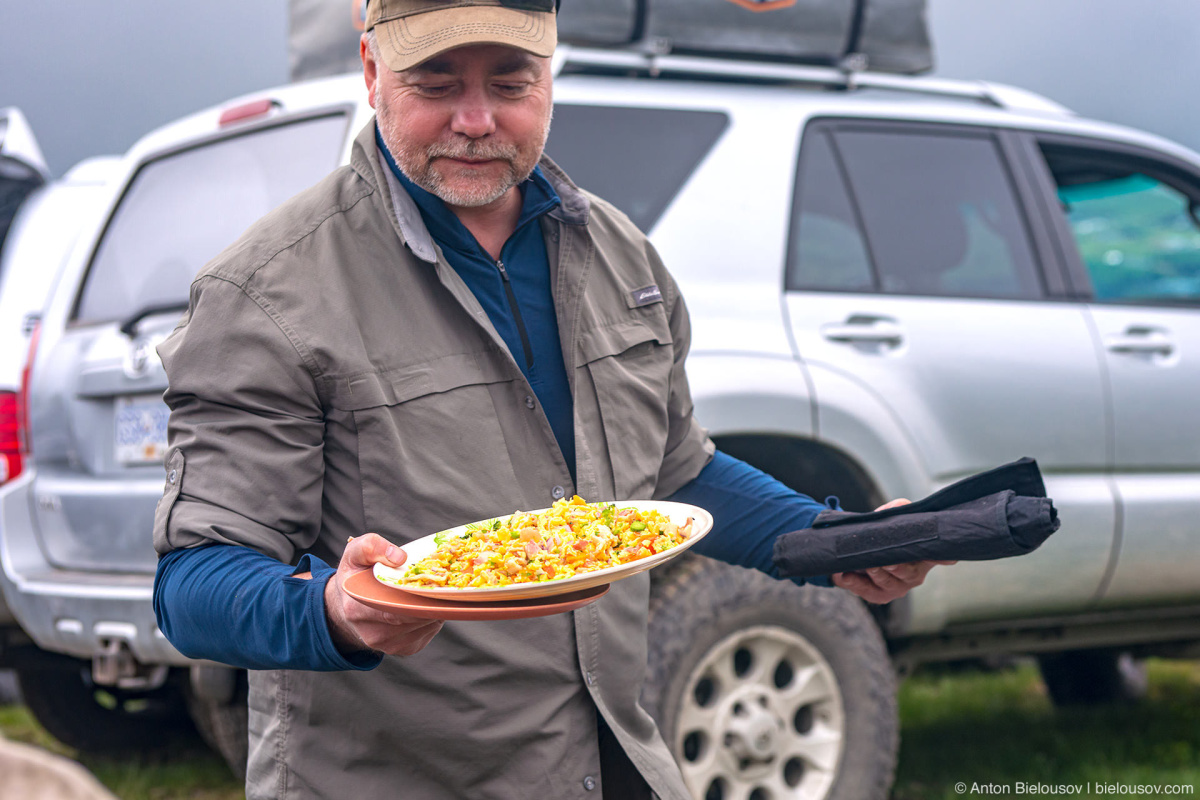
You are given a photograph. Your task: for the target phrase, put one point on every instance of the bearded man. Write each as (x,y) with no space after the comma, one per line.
(447,329)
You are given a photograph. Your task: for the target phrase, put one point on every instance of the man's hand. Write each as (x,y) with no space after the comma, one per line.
(355,626)
(885,584)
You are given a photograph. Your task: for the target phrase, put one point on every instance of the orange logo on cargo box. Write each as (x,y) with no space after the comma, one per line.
(764,5)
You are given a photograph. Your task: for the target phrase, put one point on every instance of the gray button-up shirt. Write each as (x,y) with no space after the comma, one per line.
(334,376)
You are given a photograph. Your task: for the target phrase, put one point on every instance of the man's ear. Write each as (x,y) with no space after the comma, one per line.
(370,68)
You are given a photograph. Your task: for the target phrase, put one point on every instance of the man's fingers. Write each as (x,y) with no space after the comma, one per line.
(849,580)
(363,552)
(357,626)
(884,579)
(874,585)
(898,502)
(910,574)
(861,585)
(362,614)
(402,640)
(885,584)
(385,631)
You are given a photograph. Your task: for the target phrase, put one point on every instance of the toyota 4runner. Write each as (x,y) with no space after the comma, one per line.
(894,282)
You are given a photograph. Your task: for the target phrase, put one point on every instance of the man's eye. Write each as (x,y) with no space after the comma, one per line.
(434,90)
(511,88)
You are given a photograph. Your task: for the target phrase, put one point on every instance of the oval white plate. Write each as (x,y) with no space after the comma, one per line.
(425,546)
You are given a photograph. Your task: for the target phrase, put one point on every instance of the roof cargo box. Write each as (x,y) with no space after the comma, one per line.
(881,35)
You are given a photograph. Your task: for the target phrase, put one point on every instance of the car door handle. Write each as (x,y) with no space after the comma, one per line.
(1141,340)
(865,329)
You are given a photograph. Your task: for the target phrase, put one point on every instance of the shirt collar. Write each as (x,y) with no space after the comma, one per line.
(537,198)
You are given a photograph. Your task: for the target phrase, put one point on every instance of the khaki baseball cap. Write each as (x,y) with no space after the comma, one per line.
(412,31)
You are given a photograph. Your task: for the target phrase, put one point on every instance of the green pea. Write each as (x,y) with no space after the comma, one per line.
(638,526)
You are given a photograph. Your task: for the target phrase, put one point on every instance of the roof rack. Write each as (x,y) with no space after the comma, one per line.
(845,78)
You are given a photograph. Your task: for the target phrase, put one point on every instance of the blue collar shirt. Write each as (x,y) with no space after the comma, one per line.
(539,352)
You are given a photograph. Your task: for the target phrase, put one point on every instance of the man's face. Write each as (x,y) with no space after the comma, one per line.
(467,125)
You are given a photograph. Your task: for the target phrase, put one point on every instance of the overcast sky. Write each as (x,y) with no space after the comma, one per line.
(1136,63)
(92,77)
(107,72)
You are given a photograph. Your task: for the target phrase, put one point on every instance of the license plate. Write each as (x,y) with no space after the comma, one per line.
(141,435)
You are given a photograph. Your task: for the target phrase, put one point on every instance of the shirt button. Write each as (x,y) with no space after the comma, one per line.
(171,478)
(529,401)
(558,492)
(589,783)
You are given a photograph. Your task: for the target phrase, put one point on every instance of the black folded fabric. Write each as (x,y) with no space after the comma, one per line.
(996,514)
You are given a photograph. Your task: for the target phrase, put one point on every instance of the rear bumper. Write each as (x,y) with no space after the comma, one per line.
(69,611)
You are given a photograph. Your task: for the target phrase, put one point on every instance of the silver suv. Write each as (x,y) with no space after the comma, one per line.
(894,282)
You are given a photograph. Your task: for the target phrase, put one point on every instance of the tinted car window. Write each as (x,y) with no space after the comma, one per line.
(939,214)
(181,210)
(827,247)
(17,181)
(1135,233)
(635,158)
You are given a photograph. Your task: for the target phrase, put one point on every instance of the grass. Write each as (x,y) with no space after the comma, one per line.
(995,728)
(188,772)
(1001,729)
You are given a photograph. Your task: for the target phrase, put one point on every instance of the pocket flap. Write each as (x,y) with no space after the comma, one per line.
(400,385)
(614,339)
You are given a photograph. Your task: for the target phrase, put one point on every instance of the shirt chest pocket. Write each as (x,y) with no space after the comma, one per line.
(630,365)
(431,445)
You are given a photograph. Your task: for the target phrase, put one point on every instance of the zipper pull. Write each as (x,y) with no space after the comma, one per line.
(516,312)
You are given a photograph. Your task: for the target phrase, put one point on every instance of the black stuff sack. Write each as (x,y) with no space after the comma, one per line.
(1000,513)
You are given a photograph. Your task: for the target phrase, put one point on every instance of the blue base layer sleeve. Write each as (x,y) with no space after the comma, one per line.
(243,608)
(750,511)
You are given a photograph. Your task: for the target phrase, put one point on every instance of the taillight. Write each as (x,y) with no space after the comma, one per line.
(15,439)
(10,440)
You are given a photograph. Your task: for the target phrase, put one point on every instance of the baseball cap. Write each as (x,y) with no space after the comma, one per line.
(412,31)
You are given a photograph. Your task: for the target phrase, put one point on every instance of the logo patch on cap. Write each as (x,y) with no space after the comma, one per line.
(646,295)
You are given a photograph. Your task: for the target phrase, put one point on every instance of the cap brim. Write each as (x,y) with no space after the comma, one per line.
(408,41)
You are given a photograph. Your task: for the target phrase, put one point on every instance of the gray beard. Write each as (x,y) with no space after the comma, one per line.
(417,164)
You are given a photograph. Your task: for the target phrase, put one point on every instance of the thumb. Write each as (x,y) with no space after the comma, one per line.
(363,552)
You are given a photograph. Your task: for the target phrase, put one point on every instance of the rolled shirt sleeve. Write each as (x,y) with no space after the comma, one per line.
(246,428)
(266,617)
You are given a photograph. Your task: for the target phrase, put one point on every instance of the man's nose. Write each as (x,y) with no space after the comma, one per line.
(473,117)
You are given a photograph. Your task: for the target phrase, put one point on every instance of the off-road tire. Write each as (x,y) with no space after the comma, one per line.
(100,719)
(817,644)
(225,726)
(1092,677)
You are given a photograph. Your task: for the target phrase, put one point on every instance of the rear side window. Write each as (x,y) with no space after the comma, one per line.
(1136,224)
(830,252)
(926,213)
(185,208)
(635,158)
